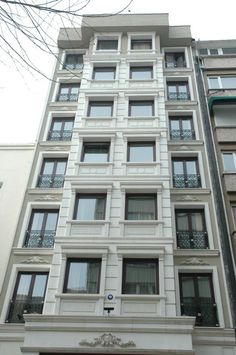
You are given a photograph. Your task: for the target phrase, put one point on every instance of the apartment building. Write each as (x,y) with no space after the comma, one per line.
(117,248)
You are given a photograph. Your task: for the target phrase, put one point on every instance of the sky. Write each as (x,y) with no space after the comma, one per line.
(23,93)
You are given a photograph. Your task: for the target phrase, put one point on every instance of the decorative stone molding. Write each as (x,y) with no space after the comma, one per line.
(188,198)
(107,340)
(183,147)
(47,198)
(194,261)
(34,260)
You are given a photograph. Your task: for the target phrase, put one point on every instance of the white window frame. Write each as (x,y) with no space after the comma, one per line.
(107,36)
(234,160)
(141,35)
(218,77)
(177,50)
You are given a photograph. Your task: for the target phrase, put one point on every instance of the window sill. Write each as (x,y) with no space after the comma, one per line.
(82,163)
(67,296)
(97,118)
(141,222)
(141,118)
(102,81)
(230,172)
(88,221)
(131,163)
(141,80)
(141,297)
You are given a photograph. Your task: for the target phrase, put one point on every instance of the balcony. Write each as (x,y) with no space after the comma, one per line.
(192,240)
(18,308)
(204,310)
(39,239)
(178,96)
(175,64)
(73,66)
(182,134)
(67,97)
(181,181)
(54,136)
(48,181)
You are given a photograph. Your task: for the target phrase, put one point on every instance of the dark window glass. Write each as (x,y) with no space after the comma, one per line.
(90,207)
(73,61)
(141,73)
(107,44)
(68,92)
(82,276)
(61,129)
(141,207)
(175,60)
(95,152)
(42,229)
(141,44)
(197,299)
(178,90)
(229,50)
(186,173)
(181,128)
(107,73)
(28,295)
(52,173)
(100,109)
(141,108)
(140,277)
(203,51)
(191,229)
(141,151)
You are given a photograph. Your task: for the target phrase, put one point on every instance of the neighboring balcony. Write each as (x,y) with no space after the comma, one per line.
(192,239)
(175,60)
(50,181)
(181,181)
(178,96)
(205,312)
(182,134)
(54,136)
(68,93)
(18,308)
(39,239)
(178,91)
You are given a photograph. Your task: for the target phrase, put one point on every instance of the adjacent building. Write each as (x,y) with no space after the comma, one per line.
(118,248)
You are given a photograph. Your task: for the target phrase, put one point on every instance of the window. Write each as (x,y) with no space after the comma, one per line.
(90,207)
(141,108)
(68,92)
(234,214)
(197,299)
(191,229)
(229,50)
(222,82)
(141,44)
(140,277)
(186,173)
(52,173)
(107,44)
(178,90)
(104,73)
(73,61)
(141,73)
(61,129)
(203,51)
(82,276)
(213,51)
(181,128)
(225,115)
(41,229)
(100,109)
(229,160)
(141,152)
(95,152)
(141,207)
(28,296)
(175,60)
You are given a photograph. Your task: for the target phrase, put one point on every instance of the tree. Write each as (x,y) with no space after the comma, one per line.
(35,23)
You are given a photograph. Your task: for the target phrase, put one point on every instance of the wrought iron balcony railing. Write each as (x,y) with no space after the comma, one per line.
(178,96)
(73,66)
(192,240)
(18,308)
(50,181)
(182,134)
(39,239)
(191,181)
(175,64)
(67,97)
(59,135)
(204,310)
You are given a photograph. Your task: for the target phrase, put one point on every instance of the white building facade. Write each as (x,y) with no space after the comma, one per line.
(117,247)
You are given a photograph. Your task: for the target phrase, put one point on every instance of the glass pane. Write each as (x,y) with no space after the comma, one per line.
(182,221)
(57,125)
(104,73)
(141,153)
(197,221)
(39,286)
(178,167)
(68,125)
(37,221)
(64,90)
(186,124)
(91,208)
(183,88)
(100,110)
(191,167)
(75,90)
(204,287)
(229,50)
(141,109)
(51,221)
(23,286)
(172,88)
(228,82)
(61,168)
(140,278)
(141,73)
(48,167)
(141,207)
(83,277)
(107,44)
(175,124)
(187,283)
(96,153)
(214,83)
(141,44)
(213,51)
(229,164)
